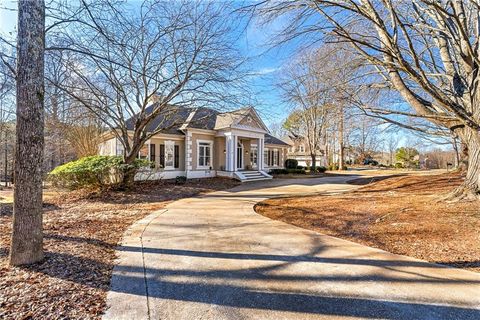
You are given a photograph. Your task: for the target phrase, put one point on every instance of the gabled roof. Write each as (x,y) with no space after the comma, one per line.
(237,118)
(175,120)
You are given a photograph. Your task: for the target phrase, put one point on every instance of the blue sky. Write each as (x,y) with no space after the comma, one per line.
(264,61)
(253,44)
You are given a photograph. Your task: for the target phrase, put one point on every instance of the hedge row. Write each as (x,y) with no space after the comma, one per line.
(287,171)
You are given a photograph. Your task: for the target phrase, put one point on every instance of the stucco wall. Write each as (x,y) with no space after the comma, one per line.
(220,156)
(205,137)
(161,140)
(107,147)
(246,148)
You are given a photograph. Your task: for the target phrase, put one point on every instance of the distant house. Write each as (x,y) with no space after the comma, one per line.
(202,142)
(299,150)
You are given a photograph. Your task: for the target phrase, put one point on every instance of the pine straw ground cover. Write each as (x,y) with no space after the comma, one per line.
(400,214)
(81,232)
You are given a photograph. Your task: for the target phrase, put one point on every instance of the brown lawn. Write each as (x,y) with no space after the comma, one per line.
(81,232)
(400,214)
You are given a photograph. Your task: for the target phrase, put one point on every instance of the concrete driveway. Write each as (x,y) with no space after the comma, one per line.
(213,257)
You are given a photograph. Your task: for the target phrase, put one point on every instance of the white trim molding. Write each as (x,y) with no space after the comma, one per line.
(210,143)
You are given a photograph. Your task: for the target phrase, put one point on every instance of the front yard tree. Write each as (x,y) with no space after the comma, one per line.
(27,235)
(304,88)
(407,156)
(162,54)
(425,50)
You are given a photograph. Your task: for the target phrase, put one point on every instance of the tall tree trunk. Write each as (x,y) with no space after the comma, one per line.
(470,189)
(128,174)
(341,160)
(314,162)
(27,234)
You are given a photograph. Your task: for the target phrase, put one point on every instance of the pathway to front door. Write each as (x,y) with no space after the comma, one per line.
(213,257)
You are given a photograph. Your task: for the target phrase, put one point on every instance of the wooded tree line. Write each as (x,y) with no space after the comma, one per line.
(424,52)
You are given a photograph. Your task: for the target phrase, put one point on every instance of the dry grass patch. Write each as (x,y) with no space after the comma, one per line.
(82,230)
(400,214)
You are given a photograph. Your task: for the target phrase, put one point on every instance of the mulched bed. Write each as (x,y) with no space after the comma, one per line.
(400,214)
(81,232)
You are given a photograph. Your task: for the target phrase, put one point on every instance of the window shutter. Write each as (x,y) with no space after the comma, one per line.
(268,158)
(177,156)
(162,155)
(272,154)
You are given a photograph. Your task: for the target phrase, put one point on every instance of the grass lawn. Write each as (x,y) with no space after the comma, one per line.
(400,214)
(81,232)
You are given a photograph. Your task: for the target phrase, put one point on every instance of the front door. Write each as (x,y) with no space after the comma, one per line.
(240,156)
(254,156)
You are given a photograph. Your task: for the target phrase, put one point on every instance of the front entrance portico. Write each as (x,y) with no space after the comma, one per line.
(237,155)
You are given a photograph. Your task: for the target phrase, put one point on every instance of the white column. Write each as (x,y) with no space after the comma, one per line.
(260,154)
(235,151)
(228,152)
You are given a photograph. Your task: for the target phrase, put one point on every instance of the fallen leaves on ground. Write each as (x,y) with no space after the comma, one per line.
(399,214)
(81,232)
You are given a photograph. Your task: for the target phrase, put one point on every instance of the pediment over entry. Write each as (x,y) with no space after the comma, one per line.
(250,120)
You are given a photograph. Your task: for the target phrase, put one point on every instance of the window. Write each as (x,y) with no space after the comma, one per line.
(204,154)
(177,156)
(266,157)
(275,157)
(169,154)
(301,148)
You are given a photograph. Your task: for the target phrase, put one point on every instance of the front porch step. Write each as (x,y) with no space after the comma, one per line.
(246,176)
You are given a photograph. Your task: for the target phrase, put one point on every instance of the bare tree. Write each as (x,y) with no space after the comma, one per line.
(303,86)
(426,50)
(392,145)
(148,63)
(27,235)
(365,137)
(277,129)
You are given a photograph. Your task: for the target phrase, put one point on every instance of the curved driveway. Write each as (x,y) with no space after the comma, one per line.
(213,257)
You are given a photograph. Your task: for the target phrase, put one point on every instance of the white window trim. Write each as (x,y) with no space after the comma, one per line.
(275,157)
(172,167)
(198,154)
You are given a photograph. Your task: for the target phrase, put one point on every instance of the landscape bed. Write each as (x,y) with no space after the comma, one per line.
(399,214)
(81,232)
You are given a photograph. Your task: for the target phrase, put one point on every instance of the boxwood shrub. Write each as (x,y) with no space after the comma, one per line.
(92,171)
(291,164)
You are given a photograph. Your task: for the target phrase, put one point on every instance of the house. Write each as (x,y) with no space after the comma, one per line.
(299,150)
(202,142)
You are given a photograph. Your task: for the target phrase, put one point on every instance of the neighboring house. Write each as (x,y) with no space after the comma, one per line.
(298,149)
(202,142)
